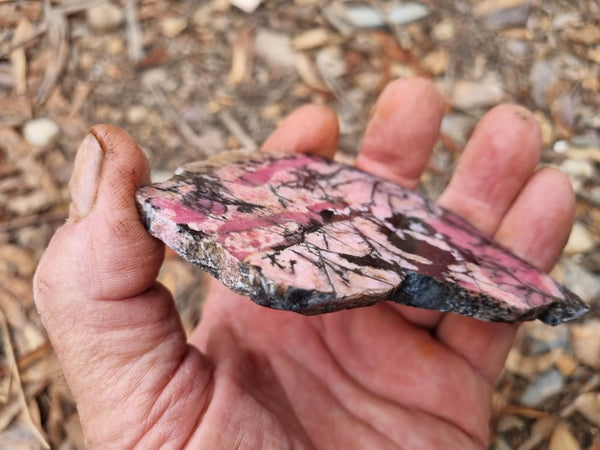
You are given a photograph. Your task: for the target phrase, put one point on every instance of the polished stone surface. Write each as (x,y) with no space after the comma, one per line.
(305,234)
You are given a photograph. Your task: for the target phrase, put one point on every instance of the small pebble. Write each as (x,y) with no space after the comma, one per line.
(594,194)
(581,281)
(158,176)
(561,146)
(541,77)
(443,31)
(136,114)
(407,12)
(248,6)
(509,14)
(275,48)
(576,168)
(580,240)
(545,386)
(115,46)
(172,26)
(467,94)
(541,339)
(40,132)
(105,16)
(457,127)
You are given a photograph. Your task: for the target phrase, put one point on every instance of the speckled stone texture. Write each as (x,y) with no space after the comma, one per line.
(305,234)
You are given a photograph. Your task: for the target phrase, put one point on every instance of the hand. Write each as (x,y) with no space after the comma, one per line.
(249,377)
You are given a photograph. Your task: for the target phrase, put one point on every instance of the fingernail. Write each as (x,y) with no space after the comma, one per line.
(83,185)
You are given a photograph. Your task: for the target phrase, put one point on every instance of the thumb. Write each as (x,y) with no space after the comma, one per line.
(115,330)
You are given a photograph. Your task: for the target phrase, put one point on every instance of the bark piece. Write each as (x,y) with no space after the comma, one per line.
(306,234)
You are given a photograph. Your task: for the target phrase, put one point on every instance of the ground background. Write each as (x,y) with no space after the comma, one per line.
(189,78)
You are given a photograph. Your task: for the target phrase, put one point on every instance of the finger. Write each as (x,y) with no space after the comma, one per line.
(402,132)
(547,199)
(398,143)
(497,161)
(309,129)
(494,167)
(116,332)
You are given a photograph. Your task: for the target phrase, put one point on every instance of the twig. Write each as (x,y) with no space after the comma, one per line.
(134,32)
(182,127)
(17,385)
(236,129)
(75,7)
(31,357)
(33,219)
(41,29)
(57,33)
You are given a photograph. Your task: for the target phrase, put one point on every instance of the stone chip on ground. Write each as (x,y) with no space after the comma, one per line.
(306,234)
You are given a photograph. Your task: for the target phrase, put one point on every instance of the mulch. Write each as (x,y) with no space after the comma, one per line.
(191,78)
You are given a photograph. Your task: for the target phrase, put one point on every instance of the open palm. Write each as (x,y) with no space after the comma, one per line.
(385,376)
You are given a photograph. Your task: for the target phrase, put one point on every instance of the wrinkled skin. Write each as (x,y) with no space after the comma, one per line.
(386,376)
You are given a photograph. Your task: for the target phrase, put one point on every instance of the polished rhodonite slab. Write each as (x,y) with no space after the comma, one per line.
(306,234)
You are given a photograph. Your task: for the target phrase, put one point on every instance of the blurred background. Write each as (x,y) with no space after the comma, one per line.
(190,78)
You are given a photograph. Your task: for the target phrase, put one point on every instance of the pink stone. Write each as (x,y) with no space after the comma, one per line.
(305,234)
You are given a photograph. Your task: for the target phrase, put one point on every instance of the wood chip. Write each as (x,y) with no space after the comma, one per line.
(16,260)
(14,111)
(563,439)
(486,7)
(566,365)
(311,39)
(58,30)
(539,433)
(242,53)
(530,366)
(588,404)
(586,342)
(307,71)
(18,59)
(588,35)
(15,409)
